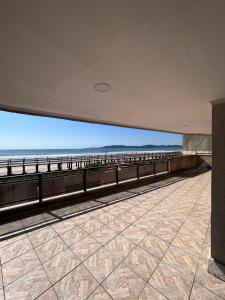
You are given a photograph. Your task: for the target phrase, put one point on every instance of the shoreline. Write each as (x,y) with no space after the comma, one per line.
(6,157)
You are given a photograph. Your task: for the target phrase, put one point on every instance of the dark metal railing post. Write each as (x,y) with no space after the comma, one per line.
(48,164)
(9,168)
(40,188)
(117,175)
(168,165)
(24,171)
(85,180)
(138,172)
(154,170)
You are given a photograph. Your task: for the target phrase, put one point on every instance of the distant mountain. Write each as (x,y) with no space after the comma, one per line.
(143,146)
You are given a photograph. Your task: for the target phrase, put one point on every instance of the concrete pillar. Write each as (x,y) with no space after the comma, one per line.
(216,263)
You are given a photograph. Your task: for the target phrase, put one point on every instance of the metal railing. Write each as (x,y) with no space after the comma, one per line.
(38,187)
(76,162)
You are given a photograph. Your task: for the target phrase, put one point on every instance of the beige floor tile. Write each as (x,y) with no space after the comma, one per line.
(1,295)
(42,235)
(96,212)
(164,233)
(48,295)
(72,236)
(77,220)
(104,234)
(208,237)
(171,283)
(152,217)
(1,280)
(19,266)
(188,244)
(201,221)
(205,252)
(201,293)
(142,262)
(11,240)
(129,217)
(116,211)
(99,294)
(134,234)
(209,281)
(118,225)
(174,223)
(194,231)
(63,226)
(91,226)
(154,245)
(101,264)
(85,248)
(105,218)
(60,265)
(181,260)
(144,224)
(124,284)
(150,293)
(120,246)
(15,249)
(77,285)
(29,286)
(138,211)
(51,248)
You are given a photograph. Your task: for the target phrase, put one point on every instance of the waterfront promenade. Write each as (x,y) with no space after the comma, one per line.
(15,166)
(153,245)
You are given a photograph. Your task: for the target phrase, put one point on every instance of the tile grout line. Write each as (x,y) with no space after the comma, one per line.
(3,287)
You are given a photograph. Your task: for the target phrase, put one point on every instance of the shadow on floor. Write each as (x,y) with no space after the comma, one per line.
(32,219)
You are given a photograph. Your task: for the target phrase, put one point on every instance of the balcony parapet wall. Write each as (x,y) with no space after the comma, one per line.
(186,162)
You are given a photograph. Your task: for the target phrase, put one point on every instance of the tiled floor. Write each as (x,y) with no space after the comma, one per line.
(151,246)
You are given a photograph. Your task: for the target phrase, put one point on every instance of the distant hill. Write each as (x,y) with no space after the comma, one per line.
(143,146)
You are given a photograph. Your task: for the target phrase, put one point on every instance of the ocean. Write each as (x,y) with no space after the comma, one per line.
(85,151)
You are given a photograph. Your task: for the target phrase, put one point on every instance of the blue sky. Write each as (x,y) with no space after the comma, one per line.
(18,131)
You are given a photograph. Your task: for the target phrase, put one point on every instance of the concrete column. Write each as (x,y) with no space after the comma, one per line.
(216,264)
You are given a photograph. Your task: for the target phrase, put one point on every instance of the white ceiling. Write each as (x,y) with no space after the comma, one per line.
(164,60)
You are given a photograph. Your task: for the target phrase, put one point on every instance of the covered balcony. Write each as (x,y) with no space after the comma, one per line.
(154,65)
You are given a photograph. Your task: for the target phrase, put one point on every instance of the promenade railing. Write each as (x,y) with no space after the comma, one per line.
(16,166)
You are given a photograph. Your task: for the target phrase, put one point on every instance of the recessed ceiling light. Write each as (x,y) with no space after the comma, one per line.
(102,87)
